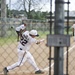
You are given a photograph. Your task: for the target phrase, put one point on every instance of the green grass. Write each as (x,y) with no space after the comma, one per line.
(7,40)
(11,37)
(43,34)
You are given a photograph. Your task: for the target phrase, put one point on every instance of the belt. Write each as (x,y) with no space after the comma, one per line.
(20,48)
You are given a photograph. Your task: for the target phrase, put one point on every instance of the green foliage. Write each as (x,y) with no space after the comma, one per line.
(31,15)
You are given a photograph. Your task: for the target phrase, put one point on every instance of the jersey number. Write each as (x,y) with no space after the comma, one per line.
(23,42)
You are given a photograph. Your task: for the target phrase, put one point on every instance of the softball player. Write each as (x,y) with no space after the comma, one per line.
(19,30)
(73,27)
(28,38)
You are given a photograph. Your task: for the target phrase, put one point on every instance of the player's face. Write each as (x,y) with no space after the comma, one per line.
(33,36)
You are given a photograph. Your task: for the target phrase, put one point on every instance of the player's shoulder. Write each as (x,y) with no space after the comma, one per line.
(26,32)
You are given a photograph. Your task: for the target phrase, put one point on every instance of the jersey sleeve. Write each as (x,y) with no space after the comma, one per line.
(22,27)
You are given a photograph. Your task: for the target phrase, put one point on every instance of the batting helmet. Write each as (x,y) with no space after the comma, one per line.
(33,32)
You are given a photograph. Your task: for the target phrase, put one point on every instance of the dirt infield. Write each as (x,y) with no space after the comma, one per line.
(8,55)
(24,74)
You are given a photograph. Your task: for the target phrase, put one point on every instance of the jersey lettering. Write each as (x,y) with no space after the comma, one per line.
(24,40)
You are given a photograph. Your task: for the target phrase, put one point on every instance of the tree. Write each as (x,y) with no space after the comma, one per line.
(30,5)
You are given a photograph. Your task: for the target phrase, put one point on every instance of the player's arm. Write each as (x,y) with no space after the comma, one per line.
(39,41)
(24,29)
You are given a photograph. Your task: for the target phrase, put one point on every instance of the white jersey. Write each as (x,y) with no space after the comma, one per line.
(20,27)
(73,26)
(26,42)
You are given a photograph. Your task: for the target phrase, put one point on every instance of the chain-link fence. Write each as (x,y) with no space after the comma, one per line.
(8,46)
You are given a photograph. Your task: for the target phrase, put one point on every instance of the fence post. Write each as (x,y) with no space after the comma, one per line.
(58,29)
(3,18)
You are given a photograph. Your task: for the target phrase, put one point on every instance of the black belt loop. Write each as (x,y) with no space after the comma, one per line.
(21,49)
